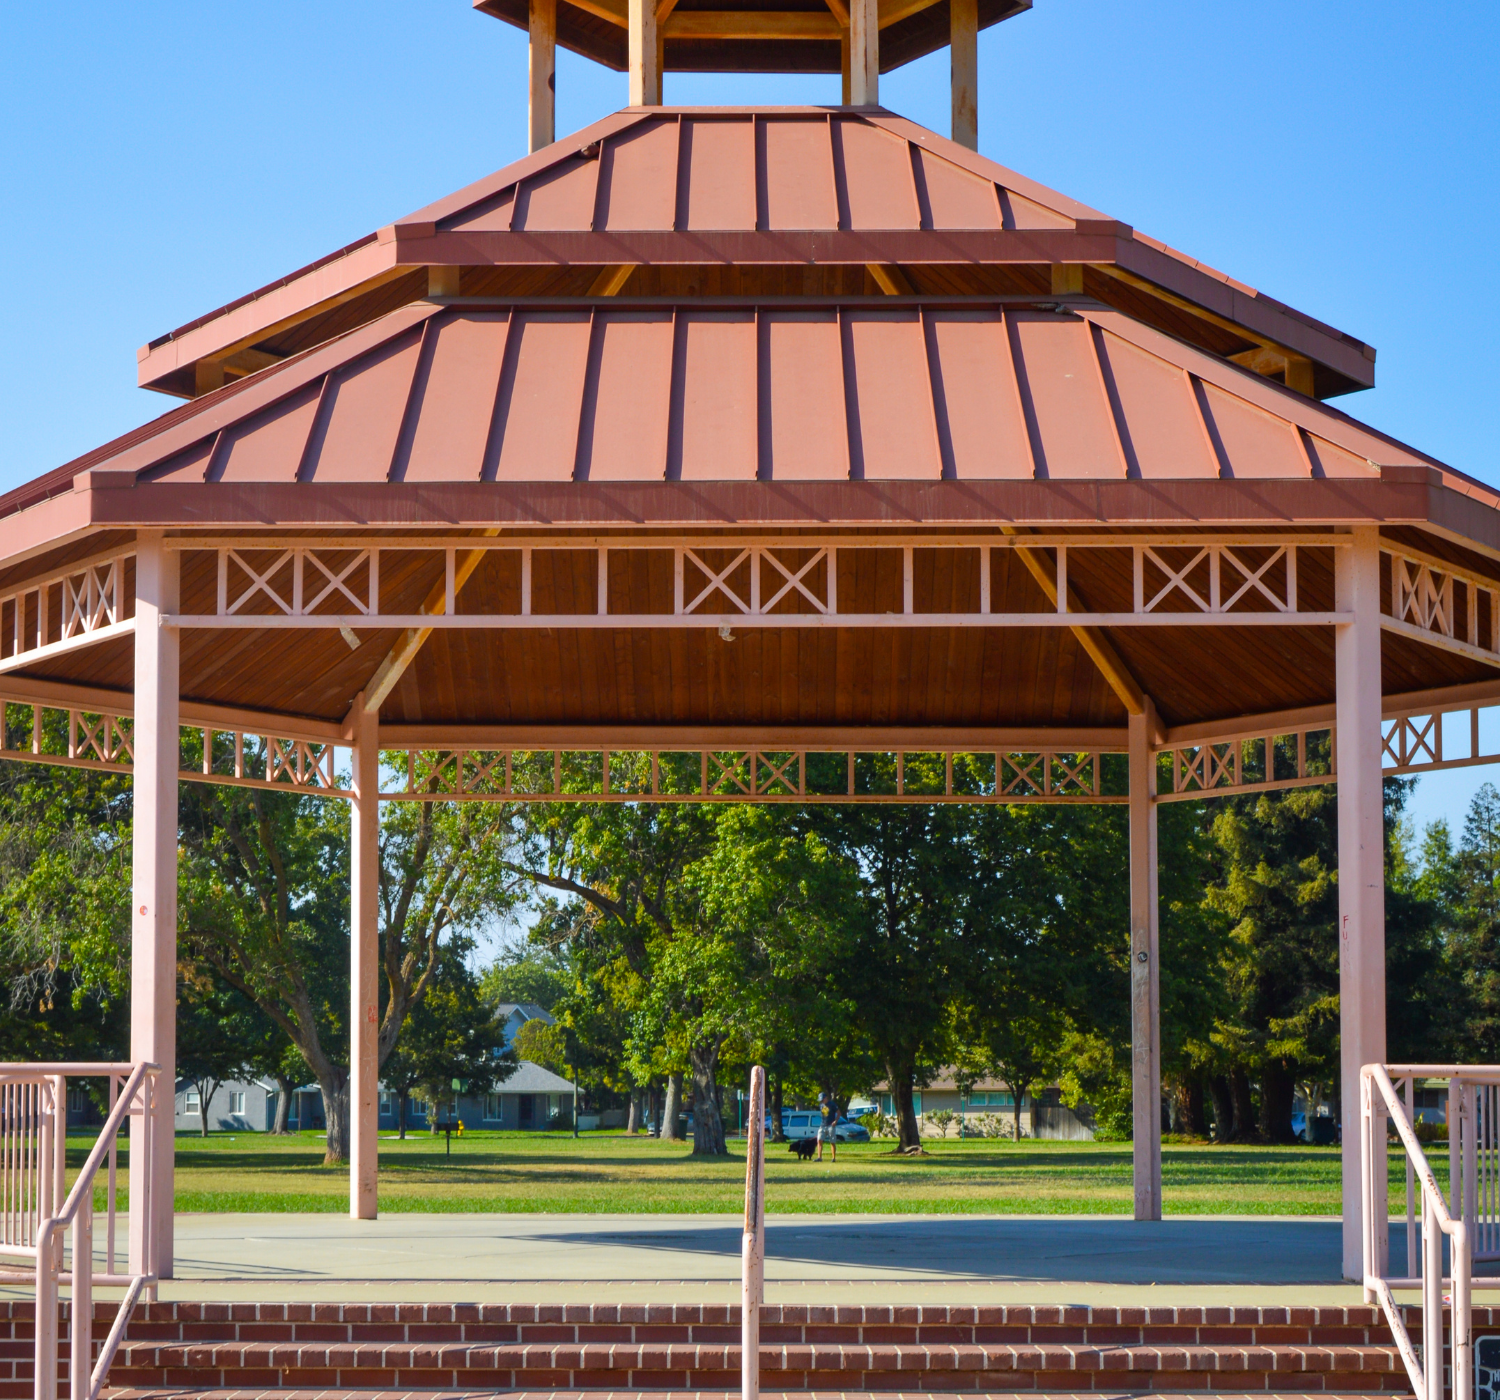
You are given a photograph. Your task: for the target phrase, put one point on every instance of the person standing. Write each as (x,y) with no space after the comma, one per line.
(828,1128)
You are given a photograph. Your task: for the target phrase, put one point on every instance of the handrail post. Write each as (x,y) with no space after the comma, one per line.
(753,1249)
(46,1314)
(1432,1301)
(1461,1243)
(81,1360)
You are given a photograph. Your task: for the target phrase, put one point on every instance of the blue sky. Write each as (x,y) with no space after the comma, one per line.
(161,158)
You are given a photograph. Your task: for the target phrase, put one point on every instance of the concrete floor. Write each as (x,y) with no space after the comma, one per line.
(861,1258)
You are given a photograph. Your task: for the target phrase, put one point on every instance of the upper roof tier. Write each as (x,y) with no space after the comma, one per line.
(751,36)
(817,201)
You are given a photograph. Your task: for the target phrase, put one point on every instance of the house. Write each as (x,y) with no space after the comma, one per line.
(1043,1114)
(237,1104)
(532,1098)
(512,1015)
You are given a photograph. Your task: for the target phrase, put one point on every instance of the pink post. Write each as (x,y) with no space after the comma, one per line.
(1361,856)
(1145,981)
(153,932)
(364,965)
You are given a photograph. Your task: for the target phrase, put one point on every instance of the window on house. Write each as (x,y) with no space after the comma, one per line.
(387,1103)
(993,1099)
(237,1101)
(78,1098)
(190,1105)
(492,1108)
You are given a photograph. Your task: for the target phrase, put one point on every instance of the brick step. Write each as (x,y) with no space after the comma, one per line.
(635,1348)
(188,1393)
(634,1364)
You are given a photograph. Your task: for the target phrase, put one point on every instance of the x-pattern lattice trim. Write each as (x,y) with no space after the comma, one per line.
(1414,739)
(716,580)
(335,581)
(1176,579)
(259,582)
(734,768)
(299,763)
(769,774)
(1205,767)
(91,600)
(793,581)
(1423,595)
(1254,579)
(101,738)
(1064,773)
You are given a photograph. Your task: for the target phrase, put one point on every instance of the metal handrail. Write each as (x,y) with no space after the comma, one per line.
(1426,1375)
(131,1098)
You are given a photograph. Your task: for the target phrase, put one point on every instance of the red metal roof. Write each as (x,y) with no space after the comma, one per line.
(726,186)
(777,390)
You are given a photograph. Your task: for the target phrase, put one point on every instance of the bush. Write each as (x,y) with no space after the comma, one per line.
(878,1124)
(941,1119)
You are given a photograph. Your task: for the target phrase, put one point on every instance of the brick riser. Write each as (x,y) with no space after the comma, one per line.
(692,1347)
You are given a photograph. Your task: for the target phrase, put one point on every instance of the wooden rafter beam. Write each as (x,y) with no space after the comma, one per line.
(1092,639)
(1268,358)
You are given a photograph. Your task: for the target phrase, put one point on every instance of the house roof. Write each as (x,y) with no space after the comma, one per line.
(806,199)
(531,1078)
(529,1011)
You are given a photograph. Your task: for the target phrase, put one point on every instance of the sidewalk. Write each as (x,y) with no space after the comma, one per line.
(809,1259)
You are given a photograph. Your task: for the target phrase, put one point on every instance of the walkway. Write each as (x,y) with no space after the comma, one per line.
(809,1258)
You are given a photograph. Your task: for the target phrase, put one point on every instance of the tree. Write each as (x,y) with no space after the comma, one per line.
(449,1034)
(537,971)
(902,945)
(543,1044)
(627,862)
(218,1031)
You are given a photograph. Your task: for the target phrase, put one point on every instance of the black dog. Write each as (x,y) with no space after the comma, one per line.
(804,1148)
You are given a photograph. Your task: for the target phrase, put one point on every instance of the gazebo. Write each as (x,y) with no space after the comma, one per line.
(734,437)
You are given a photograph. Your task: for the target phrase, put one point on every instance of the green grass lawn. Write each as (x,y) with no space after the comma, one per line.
(607,1171)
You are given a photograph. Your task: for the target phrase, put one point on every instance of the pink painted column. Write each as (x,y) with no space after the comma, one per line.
(1145,991)
(364,965)
(1361,854)
(153,923)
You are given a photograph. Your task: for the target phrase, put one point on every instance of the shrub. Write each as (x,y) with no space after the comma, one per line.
(941,1119)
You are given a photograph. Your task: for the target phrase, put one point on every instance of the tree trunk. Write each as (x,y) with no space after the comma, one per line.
(633,1119)
(778,1133)
(708,1125)
(335,1086)
(284,1088)
(671,1130)
(211,1086)
(1218,1087)
(1018,1093)
(1197,1119)
(1244,1111)
(401,1101)
(909,1136)
(1278,1087)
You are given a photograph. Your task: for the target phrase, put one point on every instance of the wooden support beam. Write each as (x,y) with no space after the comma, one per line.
(891,279)
(1299,374)
(611,280)
(208,375)
(1099,648)
(364,965)
(541,118)
(1252,359)
(644,54)
(864,53)
(844,64)
(246,362)
(750,24)
(442,281)
(1067,279)
(963,41)
(412,640)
